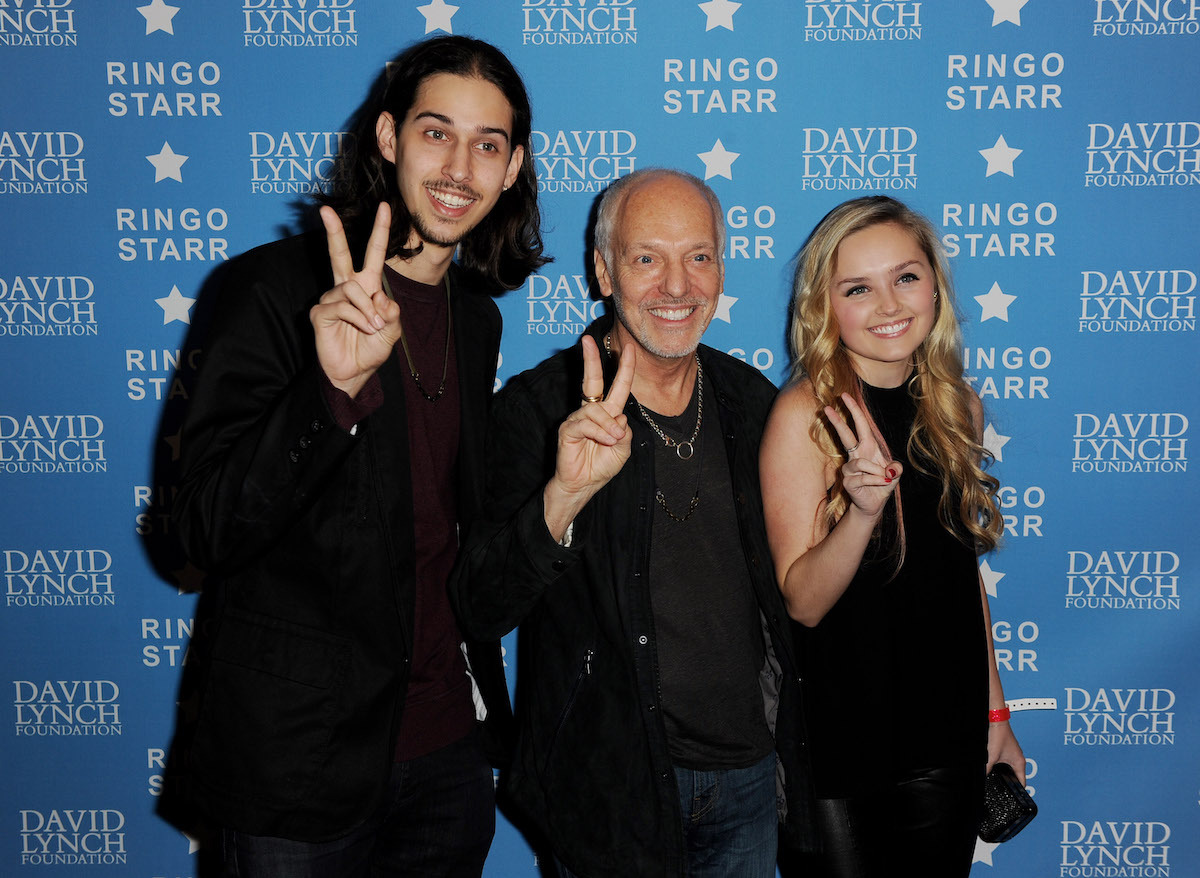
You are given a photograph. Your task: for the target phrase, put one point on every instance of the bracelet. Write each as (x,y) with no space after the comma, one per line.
(999,716)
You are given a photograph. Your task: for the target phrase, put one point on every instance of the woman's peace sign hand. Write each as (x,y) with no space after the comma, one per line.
(868,476)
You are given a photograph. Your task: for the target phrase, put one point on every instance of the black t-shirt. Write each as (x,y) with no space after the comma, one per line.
(707,625)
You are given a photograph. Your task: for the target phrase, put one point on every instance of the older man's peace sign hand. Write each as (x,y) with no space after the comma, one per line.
(593,442)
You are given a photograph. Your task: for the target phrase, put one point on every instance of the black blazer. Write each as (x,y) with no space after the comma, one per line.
(306,534)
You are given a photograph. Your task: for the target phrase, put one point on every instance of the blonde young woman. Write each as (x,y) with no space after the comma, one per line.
(876,507)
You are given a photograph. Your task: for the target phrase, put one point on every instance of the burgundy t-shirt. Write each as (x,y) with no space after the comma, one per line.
(438,707)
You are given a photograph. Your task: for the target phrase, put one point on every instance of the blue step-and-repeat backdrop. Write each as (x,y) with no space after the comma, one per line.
(1056,144)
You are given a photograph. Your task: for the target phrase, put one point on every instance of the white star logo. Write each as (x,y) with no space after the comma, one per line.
(723,306)
(1000,157)
(983,851)
(994,442)
(167,163)
(720,13)
(718,161)
(990,577)
(176,306)
(995,303)
(437,16)
(158,16)
(1006,10)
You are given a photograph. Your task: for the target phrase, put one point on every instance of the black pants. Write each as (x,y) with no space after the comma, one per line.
(437,820)
(924,824)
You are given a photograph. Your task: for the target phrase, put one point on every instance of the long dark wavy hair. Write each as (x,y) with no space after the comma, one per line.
(506,246)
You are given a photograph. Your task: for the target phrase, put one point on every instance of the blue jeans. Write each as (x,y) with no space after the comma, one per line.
(437,818)
(729,821)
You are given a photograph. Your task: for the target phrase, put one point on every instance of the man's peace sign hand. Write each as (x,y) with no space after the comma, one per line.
(593,443)
(355,323)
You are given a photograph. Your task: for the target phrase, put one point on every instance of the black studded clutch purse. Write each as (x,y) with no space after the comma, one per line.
(1007,806)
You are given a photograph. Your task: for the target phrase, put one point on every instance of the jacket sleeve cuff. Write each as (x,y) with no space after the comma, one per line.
(545,555)
(348,411)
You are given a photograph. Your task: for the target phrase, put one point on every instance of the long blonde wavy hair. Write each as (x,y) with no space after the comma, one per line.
(943,439)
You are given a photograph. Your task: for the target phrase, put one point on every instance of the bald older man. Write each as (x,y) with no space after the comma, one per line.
(659,708)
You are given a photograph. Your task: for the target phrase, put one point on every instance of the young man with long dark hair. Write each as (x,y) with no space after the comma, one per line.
(332,450)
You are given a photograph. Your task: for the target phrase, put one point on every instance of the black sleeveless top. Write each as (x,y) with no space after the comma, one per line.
(896,672)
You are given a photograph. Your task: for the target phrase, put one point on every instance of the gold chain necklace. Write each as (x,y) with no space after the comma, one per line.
(412,369)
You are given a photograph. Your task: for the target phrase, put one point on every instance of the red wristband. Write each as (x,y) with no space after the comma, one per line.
(999,716)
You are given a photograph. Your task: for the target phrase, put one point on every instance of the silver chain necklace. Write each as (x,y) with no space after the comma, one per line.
(690,442)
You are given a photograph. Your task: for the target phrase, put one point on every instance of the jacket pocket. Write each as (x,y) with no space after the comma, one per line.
(270,707)
(585,671)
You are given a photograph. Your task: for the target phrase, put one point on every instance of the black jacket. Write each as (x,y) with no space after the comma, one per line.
(306,534)
(591,767)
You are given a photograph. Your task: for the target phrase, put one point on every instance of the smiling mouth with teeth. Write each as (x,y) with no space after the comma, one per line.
(890,328)
(453,200)
(673,313)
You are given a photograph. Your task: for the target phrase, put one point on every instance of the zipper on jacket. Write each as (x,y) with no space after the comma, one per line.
(585,671)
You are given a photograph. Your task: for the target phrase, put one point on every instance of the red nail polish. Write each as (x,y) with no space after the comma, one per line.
(891,474)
